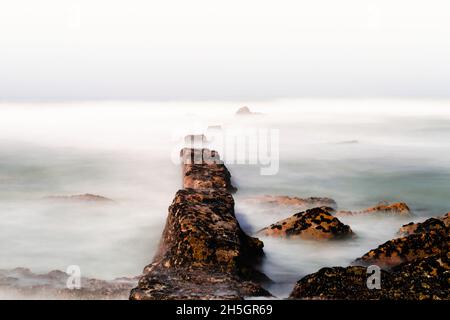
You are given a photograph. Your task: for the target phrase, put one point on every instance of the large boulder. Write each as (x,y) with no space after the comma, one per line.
(426,278)
(419,241)
(394,209)
(204,253)
(317,223)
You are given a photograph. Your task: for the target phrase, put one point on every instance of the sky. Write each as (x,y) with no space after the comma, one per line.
(223,50)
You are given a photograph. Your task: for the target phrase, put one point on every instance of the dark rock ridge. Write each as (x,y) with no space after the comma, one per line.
(317,223)
(294,203)
(22,283)
(203,253)
(415,267)
(203,170)
(429,238)
(397,209)
(426,226)
(426,278)
(87,197)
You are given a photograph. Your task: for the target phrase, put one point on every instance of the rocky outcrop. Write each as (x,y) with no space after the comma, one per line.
(317,223)
(414,267)
(420,240)
(397,209)
(426,278)
(245,111)
(203,170)
(203,253)
(294,203)
(80,198)
(22,283)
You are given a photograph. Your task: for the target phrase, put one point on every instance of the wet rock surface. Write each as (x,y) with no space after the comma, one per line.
(426,278)
(317,224)
(428,238)
(203,170)
(383,208)
(414,267)
(22,283)
(203,253)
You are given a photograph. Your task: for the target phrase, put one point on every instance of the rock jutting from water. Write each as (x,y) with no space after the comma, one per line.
(384,208)
(414,267)
(317,224)
(24,284)
(203,252)
(87,197)
(293,203)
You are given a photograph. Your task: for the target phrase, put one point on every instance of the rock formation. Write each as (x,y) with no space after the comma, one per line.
(245,111)
(80,198)
(22,283)
(414,267)
(203,253)
(203,170)
(397,209)
(426,278)
(293,203)
(426,226)
(317,223)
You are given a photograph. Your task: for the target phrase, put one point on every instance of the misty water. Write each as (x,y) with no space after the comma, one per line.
(357,152)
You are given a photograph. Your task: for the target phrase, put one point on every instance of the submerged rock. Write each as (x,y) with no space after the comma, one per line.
(397,209)
(203,170)
(80,198)
(426,278)
(204,253)
(22,283)
(294,203)
(317,223)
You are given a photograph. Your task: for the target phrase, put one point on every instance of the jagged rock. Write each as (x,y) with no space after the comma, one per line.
(423,227)
(398,209)
(80,198)
(203,252)
(24,284)
(203,170)
(315,223)
(294,203)
(426,278)
(428,238)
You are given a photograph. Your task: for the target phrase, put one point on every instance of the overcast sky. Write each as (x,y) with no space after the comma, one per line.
(216,49)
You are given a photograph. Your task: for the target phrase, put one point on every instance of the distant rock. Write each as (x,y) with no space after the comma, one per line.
(317,224)
(80,198)
(422,279)
(294,203)
(245,111)
(24,284)
(384,208)
(203,254)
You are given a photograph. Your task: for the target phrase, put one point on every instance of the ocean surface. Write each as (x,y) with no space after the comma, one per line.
(358,152)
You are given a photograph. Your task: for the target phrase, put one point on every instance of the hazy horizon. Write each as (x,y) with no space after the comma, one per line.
(67,50)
